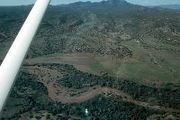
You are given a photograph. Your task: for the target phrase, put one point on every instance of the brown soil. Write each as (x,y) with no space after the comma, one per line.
(67,96)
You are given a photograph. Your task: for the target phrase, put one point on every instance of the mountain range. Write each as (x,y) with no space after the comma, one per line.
(176,7)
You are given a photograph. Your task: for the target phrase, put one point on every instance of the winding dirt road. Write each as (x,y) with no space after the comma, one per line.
(68,96)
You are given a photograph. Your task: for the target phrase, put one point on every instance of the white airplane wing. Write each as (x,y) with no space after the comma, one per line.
(16,54)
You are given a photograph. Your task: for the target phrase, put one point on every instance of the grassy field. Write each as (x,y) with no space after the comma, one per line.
(142,67)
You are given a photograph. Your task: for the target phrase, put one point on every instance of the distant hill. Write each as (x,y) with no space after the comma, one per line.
(176,7)
(108,28)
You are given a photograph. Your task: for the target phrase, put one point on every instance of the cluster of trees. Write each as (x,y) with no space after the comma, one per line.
(36,97)
(102,108)
(167,96)
(29,91)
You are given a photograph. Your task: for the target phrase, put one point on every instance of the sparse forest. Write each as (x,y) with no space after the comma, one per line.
(108,60)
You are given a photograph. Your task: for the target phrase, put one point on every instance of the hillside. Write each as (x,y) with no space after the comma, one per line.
(175,7)
(115,59)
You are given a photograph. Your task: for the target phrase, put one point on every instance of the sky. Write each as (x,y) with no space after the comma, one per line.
(55,2)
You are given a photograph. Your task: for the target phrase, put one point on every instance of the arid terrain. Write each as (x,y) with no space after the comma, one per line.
(108,60)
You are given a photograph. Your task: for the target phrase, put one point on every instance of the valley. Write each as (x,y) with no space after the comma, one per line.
(103,60)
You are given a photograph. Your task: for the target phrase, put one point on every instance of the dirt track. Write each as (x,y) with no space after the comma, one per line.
(60,94)
(79,61)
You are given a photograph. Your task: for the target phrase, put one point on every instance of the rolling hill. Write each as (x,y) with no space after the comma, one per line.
(175,7)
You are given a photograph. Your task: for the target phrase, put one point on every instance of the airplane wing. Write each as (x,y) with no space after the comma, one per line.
(16,54)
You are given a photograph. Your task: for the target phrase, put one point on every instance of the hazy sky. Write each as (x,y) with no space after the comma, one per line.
(142,2)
